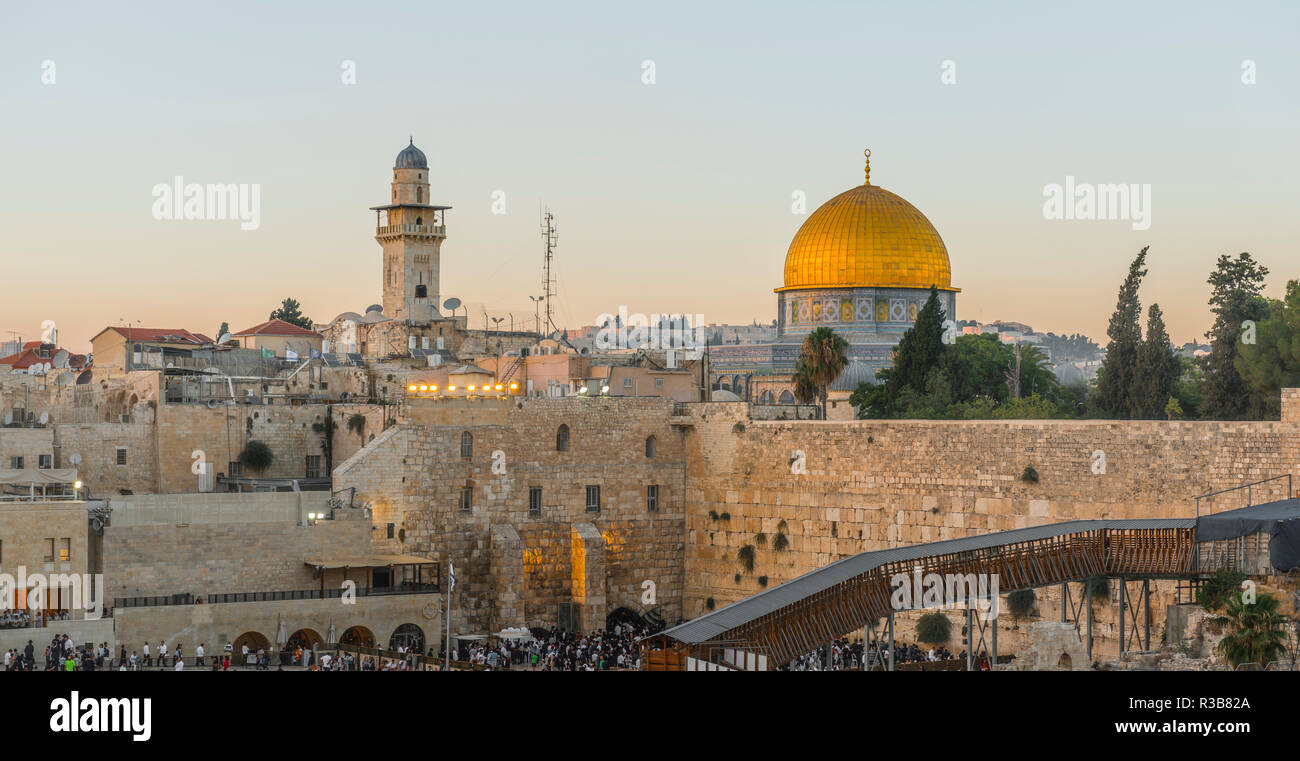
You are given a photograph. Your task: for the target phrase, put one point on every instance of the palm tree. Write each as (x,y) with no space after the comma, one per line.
(1257,631)
(821,362)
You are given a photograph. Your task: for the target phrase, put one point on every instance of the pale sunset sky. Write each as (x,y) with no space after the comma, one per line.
(670,197)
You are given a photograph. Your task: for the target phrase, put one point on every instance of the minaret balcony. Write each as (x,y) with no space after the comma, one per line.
(397,231)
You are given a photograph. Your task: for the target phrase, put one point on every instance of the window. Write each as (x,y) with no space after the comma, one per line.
(562,439)
(659,382)
(121,455)
(44,461)
(65,550)
(313,466)
(593,499)
(49,550)
(466,445)
(466,499)
(421,291)
(235,469)
(652,498)
(534,500)
(16,463)
(627,383)
(651,446)
(390,531)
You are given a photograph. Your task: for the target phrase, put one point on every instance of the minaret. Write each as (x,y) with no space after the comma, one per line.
(411,231)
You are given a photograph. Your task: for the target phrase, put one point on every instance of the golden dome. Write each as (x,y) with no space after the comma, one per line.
(867,237)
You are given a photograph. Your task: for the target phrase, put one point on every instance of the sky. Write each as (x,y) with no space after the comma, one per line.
(671,193)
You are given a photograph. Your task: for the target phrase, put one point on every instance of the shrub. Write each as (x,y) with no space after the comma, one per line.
(1021,603)
(746,557)
(1029,476)
(760,539)
(357,424)
(780,543)
(762,581)
(1219,587)
(256,456)
(934,629)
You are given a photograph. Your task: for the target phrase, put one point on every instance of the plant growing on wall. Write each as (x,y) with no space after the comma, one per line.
(934,629)
(1100,588)
(1029,476)
(760,539)
(1021,603)
(780,543)
(326,430)
(746,557)
(357,424)
(1222,585)
(762,581)
(256,456)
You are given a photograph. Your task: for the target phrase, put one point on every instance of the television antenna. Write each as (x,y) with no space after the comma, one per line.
(552,238)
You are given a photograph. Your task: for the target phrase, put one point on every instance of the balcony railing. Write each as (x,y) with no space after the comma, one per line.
(297,594)
(412,230)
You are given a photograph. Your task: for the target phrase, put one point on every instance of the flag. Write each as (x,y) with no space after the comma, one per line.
(313,354)
(451,576)
(267,353)
(291,355)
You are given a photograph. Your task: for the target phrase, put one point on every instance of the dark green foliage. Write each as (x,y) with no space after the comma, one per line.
(1222,585)
(1272,362)
(746,557)
(760,539)
(1021,603)
(821,361)
(1256,631)
(780,543)
(1030,475)
(357,424)
(1115,382)
(1100,588)
(934,629)
(1158,370)
(256,456)
(290,311)
(1234,298)
(762,581)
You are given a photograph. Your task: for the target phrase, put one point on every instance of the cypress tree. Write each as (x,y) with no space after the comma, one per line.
(1157,370)
(1115,382)
(921,348)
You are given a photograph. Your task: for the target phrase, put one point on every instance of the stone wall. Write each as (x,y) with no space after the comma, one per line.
(205,544)
(868,485)
(412,476)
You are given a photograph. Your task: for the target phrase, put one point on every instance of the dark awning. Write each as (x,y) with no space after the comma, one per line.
(1280,520)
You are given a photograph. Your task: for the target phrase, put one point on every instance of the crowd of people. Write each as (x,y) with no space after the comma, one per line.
(19,618)
(62,654)
(846,655)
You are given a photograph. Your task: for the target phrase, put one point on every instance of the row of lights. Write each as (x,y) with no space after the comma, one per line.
(486,388)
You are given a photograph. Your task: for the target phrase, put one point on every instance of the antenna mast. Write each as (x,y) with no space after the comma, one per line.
(551,237)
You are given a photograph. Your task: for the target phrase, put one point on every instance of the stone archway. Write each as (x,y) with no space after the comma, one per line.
(409,635)
(255,641)
(358,636)
(1064,662)
(305,638)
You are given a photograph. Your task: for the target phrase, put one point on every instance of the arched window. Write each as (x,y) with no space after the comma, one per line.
(421,291)
(419,195)
(766,398)
(651,446)
(466,444)
(787,397)
(562,438)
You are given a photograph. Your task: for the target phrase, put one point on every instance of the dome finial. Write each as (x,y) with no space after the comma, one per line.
(867,153)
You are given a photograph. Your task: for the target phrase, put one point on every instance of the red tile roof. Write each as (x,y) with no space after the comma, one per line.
(28,357)
(278,328)
(157,335)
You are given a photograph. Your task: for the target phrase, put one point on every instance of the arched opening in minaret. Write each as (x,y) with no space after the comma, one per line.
(419,195)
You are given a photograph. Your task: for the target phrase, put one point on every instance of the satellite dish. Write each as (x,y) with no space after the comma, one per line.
(224,338)
(63,378)
(45,418)
(451,303)
(61,359)
(74,458)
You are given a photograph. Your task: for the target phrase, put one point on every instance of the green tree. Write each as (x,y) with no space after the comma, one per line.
(1114,395)
(290,311)
(921,348)
(1234,298)
(1256,631)
(221,331)
(1272,362)
(820,363)
(1158,370)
